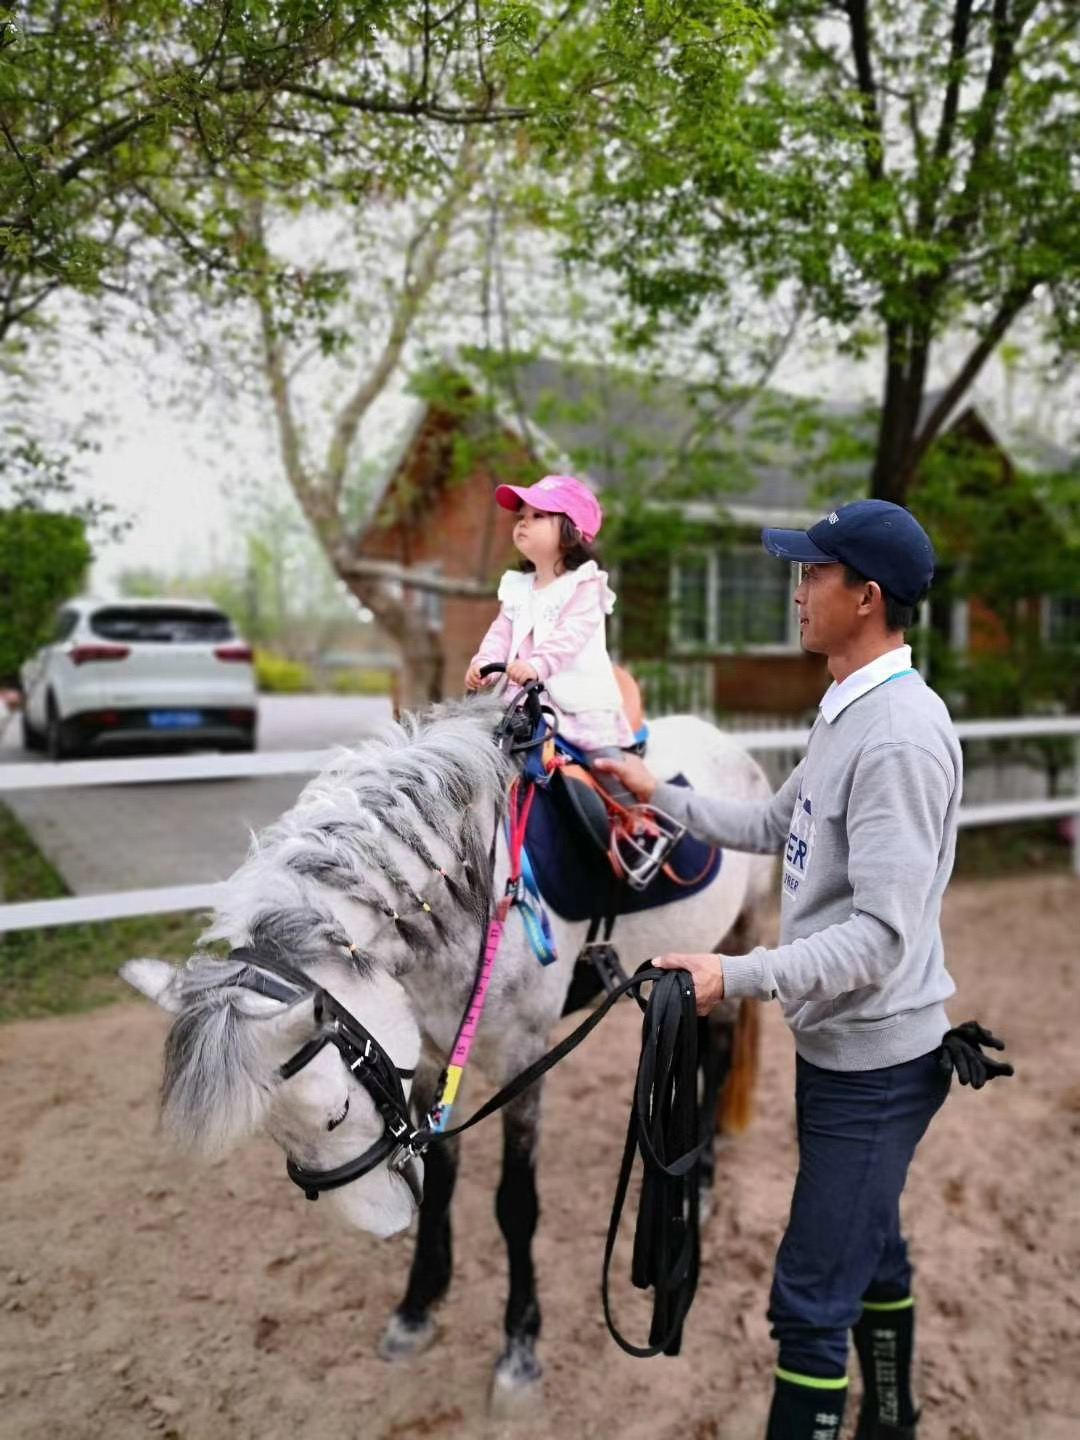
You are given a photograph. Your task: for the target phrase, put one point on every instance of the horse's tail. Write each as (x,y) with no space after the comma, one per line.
(735,1107)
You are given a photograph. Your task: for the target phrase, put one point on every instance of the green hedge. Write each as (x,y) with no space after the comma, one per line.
(43,558)
(278,676)
(361,682)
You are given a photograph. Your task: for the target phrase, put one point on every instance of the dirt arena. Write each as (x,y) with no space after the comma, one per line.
(140,1295)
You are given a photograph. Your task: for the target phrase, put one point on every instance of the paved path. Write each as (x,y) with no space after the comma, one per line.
(130,837)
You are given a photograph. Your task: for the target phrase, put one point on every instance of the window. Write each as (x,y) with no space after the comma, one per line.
(429,602)
(733,598)
(690,601)
(1063,620)
(753,599)
(66,621)
(163,624)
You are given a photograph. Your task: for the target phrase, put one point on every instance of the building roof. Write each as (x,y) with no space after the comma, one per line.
(762,456)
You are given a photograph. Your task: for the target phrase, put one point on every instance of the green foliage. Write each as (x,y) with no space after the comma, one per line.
(900,170)
(276,675)
(70,967)
(39,478)
(362,682)
(136,137)
(43,559)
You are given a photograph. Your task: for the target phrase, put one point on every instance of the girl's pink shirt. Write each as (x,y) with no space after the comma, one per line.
(578,618)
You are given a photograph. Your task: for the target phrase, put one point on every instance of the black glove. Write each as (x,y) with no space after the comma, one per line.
(960,1052)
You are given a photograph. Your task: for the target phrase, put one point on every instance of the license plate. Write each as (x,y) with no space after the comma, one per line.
(175,719)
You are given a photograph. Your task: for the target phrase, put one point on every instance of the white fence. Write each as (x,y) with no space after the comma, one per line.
(76,909)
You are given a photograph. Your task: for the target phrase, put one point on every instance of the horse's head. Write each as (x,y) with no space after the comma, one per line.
(237,1028)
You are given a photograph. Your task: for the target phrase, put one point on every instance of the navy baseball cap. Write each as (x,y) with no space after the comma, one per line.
(880,540)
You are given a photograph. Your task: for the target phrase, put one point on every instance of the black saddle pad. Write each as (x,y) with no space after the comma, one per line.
(575,877)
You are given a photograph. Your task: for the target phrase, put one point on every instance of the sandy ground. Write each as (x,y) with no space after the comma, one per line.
(141,1295)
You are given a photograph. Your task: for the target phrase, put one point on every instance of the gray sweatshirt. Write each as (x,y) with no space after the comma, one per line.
(867,825)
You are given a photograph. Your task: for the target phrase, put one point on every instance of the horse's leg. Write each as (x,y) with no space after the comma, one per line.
(716,1033)
(718,1053)
(517,1384)
(411,1329)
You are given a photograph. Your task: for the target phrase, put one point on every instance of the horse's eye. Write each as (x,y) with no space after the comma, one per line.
(336,1121)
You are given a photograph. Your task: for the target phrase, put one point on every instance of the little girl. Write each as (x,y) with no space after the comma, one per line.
(551,623)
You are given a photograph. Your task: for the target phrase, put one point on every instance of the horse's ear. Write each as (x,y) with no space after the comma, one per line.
(156,979)
(291,1028)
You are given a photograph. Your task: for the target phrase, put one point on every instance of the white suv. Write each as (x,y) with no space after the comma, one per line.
(139,672)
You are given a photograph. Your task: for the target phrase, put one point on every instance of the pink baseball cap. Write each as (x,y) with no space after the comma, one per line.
(559,494)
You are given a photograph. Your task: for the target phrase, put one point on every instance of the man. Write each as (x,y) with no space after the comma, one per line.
(867,826)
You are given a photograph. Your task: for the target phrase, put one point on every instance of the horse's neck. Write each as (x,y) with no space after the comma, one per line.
(439,981)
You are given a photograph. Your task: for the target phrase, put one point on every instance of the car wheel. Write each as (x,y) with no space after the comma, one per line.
(32,738)
(59,741)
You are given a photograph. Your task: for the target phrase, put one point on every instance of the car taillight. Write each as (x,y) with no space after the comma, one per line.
(238,653)
(84,654)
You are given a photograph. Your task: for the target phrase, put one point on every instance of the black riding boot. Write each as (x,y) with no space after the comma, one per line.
(884,1339)
(804,1412)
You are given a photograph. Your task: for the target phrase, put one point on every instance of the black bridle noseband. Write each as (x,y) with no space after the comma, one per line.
(399,1144)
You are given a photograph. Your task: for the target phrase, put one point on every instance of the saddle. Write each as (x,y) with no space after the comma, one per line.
(589,840)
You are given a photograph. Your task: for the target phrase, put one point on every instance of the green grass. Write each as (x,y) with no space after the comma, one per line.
(70,967)
(1022,849)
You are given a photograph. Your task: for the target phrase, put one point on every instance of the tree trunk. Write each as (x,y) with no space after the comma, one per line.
(905,379)
(420,681)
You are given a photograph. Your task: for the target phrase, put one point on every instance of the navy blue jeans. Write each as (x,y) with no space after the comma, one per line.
(857,1133)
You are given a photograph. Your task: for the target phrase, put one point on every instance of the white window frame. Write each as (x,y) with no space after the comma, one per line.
(714,555)
(1046,605)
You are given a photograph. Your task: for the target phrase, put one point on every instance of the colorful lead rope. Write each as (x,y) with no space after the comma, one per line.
(517,817)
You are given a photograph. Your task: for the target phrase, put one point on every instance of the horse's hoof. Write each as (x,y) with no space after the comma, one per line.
(517,1386)
(405,1339)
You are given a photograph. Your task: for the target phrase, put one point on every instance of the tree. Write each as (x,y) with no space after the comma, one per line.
(118,123)
(554,82)
(903,172)
(43,558)
(144,146)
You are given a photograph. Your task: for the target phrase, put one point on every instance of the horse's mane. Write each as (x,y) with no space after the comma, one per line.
(425,784)
(420,785)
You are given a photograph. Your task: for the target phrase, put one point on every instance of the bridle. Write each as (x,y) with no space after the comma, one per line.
(400,1143)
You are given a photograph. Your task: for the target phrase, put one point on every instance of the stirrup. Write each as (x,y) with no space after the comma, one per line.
(641,844)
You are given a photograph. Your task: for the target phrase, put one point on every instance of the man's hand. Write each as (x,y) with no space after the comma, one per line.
(521,672)
(475,681)
(633,772)
(960,1051)
(707,972)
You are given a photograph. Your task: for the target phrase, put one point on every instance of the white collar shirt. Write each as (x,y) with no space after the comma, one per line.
(860,682)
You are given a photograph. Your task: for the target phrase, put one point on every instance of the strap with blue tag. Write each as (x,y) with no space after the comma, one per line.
(533,916)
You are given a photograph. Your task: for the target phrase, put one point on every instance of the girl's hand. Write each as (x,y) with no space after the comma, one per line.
(475,681)
(521,672)
(707,972)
